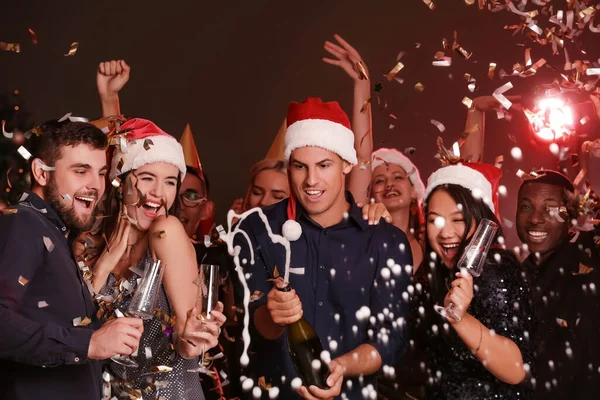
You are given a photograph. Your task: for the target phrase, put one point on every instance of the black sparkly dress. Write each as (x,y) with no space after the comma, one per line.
(502,302)
(155,350)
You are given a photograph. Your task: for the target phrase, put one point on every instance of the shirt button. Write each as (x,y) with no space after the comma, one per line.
(76,359)
(321,303)
(64,229)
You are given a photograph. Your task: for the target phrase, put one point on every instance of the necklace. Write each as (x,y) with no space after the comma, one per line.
(133,247)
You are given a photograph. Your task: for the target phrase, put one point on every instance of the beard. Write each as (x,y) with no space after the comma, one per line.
(67,212)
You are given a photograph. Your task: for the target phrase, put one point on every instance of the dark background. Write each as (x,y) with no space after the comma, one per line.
(230,69)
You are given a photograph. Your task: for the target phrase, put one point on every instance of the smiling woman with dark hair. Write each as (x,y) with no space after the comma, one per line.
(487,352)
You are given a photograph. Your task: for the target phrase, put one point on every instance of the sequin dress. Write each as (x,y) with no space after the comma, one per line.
(503,302)
(155,349)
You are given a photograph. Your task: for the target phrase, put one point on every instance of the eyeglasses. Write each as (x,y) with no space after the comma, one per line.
(192,199)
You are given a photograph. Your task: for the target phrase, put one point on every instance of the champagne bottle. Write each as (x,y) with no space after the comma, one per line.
(305,347)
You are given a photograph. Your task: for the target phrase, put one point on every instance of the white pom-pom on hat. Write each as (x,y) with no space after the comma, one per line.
(291,230)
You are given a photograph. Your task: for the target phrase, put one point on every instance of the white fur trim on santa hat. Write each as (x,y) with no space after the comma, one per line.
(393,156)
(164,149)
(463,176)
(320,133)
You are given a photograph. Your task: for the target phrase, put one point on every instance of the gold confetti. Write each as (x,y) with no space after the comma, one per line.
(161,368)
(584,270)
(438,125)
(81,322)
(582,173)
(121,163)
(392,74)
(24,153)
(9,211)
(16,47)
(42,304)
(33,35)
(73,49)
(48,243)
(160,234)
(262,383)
(362,71)
(467,102)
(430,4)
(365,105)
(256,295)
(419,87)
(491,70)
(561,322)
(147,144)
(23,281)
(116,182)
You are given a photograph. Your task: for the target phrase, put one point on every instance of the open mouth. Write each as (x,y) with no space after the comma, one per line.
(450,250)
(151,208)
(85,202)
(391,193)
(314,195)
(537,236)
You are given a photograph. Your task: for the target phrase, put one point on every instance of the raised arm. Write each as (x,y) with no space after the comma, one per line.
(347,58)
(473,146)
(110,79)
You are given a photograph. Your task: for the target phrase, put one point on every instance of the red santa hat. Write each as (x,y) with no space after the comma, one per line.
(393,156)
(480,178)
(318,124)
(314,123)
(142,142)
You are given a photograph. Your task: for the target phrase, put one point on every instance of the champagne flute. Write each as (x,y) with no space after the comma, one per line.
(472,259)
(208,296)
(143,303)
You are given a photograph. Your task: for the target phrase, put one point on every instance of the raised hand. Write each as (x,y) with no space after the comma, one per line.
(111,77)
(113,252)
(347,58)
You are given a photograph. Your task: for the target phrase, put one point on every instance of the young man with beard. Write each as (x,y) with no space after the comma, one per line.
(49,336)
(563,268)
(348,277)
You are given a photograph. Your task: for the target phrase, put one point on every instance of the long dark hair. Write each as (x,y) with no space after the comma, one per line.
(474,210)
(112,206)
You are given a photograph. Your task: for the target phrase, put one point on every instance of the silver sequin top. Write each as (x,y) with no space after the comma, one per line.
(155,350)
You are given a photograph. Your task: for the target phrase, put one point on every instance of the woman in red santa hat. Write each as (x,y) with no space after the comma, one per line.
(147,169)
(386,175)
(486,351)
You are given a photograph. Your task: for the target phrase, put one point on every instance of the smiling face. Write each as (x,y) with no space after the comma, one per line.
(269,186)
(391,186)
(157,183)
(536,227)
(446,227)
(318,180)
(77,184)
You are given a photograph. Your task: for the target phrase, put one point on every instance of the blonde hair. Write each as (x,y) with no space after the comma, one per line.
(263,165)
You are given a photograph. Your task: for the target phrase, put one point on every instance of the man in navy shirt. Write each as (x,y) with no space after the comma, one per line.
(349,278)
(49,336)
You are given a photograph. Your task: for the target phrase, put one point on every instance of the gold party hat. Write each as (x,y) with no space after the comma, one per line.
(277,148)
(190,152)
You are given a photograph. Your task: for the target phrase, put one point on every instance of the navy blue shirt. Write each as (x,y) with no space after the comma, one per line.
(336,271)
(42,354)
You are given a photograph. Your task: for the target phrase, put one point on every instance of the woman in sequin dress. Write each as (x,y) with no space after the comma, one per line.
(488,353)
(148,165)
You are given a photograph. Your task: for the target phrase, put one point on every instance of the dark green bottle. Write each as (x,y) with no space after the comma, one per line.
(305,347)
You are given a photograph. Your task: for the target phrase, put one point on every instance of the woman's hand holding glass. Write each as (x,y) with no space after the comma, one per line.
(201,333)
(460,295)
